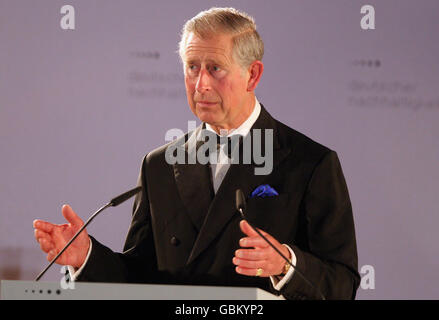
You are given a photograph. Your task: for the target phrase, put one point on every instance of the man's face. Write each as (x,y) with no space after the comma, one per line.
(216,85)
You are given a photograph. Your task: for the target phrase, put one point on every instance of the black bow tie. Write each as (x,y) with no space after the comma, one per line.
(230,143)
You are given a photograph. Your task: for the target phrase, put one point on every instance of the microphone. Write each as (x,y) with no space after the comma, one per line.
(241,206)
(124,196)
(113,203)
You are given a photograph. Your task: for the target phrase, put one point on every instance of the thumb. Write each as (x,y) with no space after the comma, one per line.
(71,216)
(247,229)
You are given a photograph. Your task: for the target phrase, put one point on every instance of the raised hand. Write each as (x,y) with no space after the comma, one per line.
(52,238)
(257,257)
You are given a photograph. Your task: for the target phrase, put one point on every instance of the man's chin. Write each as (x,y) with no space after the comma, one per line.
(208,117)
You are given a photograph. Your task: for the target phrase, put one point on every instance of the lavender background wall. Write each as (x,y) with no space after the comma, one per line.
(79,109)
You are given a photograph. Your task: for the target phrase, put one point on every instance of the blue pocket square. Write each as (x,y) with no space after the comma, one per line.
(263,191)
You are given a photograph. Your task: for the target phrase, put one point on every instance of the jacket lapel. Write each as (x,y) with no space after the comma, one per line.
(194,184)
(239,176)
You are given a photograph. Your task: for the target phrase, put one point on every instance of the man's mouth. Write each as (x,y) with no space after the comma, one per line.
(205,103)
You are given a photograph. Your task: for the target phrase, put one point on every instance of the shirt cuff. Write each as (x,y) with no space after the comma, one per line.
(278,284)
(75,274)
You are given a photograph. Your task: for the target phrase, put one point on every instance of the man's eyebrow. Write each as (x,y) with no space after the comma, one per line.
(193,60)
(200,47)
(217,61)
(190,61)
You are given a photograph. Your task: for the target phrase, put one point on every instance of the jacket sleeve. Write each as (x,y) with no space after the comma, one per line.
(137,263)
(328,259)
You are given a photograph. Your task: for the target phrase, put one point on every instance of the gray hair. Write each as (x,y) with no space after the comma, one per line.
(247,44)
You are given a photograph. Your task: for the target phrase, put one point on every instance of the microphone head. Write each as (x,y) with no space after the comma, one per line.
(124,196)
(240,201)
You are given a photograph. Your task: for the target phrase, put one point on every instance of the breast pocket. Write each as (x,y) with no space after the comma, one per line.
(266,213)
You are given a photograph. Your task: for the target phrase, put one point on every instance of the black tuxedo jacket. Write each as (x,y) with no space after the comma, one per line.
(182,233)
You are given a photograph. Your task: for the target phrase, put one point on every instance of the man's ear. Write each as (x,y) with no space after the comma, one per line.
(255,71)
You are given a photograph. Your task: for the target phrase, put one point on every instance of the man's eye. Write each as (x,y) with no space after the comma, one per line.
(216,68)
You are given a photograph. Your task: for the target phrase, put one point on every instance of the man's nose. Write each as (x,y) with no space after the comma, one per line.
(203,82)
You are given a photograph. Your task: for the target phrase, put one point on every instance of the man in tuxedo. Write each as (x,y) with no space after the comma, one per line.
(185,227)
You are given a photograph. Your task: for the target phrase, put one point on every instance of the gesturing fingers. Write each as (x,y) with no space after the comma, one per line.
(41,235)
(259,272)
(250,258)
(45,245)
(252,262)
(251,254)
(250,267)
(254,242)
(43,226)
(45,239)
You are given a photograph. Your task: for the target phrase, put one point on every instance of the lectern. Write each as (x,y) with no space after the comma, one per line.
(31,290)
